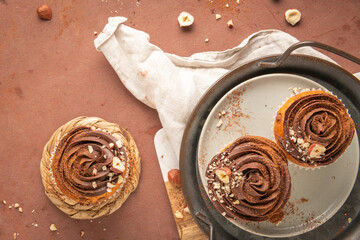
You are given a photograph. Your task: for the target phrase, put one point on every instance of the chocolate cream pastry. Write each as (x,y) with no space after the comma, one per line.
(249,180)
(314,128)
(89,167)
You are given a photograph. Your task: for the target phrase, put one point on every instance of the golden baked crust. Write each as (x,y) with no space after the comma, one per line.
(113,200)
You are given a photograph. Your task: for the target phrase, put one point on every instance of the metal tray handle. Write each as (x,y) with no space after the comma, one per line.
(295,46)
(205,220)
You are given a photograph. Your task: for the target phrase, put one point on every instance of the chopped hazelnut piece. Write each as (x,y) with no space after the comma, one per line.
(53,228)
(94,185)
(16,205)
(104,168)
(20,209)
(34,224)
(217,16)
(120,179)
(187,210)
(230,23)
(82,233)
(15,235)
(118,143)
(90,149)
(4,202)
(206,40)
(178,214)
(219,123)
(94,172)
(111,145)
(295,90)
(110,185)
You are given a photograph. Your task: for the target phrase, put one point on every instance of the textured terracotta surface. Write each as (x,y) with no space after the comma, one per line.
(50,73)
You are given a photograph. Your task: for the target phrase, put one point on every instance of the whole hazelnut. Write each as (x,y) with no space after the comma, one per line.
(44,12)
(174,177)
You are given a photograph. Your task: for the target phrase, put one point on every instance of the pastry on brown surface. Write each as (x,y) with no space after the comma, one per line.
(314,128)
(249,180)
(89,167)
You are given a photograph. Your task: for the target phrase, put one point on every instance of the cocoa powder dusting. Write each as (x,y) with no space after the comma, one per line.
(227,8)
(235,100)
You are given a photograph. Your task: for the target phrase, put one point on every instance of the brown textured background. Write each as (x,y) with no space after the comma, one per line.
(50,73)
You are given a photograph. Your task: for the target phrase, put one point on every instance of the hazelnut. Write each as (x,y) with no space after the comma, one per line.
(185,19)
(174,177)
(316,150)
(117,166)
(44,12)
(223,174)
(217,16)
(292,16)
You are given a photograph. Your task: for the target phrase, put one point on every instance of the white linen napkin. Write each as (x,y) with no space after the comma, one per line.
(172,84)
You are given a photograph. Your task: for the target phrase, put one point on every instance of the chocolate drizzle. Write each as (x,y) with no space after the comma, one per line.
(81,164)
(259,183)
(317,117)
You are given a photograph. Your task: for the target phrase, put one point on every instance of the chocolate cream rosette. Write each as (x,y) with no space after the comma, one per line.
(314,128)
(89,167)
(249,180)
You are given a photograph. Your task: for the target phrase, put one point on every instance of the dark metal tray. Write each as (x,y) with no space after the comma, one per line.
(333,77)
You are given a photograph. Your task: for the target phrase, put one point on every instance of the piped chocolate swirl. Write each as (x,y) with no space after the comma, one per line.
(314,128)
(249,180)
(88,163)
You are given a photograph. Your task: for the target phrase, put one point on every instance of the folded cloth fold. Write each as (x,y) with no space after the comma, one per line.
(172,84)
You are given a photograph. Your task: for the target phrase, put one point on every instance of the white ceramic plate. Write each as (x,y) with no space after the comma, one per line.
(250,107)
